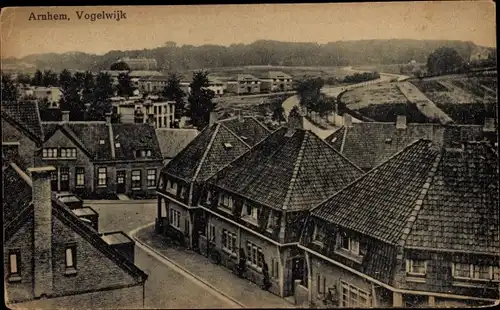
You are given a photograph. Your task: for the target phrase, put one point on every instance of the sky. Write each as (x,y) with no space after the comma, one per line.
(152,26)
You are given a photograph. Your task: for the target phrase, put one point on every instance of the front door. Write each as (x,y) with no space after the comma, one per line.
(53,181)
(249,89)
(65,179)
(120,181)
(295,273)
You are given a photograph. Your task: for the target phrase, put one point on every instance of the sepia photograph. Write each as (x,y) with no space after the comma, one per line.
(319,155)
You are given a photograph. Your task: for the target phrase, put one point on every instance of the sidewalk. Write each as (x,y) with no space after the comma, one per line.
(246,293)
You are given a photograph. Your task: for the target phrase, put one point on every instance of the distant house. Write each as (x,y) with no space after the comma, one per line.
(101,158)
(172,141)
(254,208)
(51,94)
(369,144)
(152,83)
(22,132)
(139,63)
(479,53)
(160,113)
(214,84)
(182,179)
(244,84)
(54,259)
(274,81)
(420,230)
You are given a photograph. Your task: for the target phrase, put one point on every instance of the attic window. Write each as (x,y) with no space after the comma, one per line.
(117,144)
(228,145)
(101,141)
(388,141)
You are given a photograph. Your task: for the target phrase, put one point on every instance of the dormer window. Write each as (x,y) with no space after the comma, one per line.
(143,153)
(272,221)
(183,192)
(209,197)
(416,267)
(475,272)
(349,244)
(226,202)
(228,145)
(101,142)
(171,187)
(250,213)
(319,234)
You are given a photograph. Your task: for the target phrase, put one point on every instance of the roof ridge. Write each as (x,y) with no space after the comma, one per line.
(337,152)
(258,122)
(344,136)
(71,134)
(418,203)
(365,175)
(205,153)
(293,179)
(39,118)
(9,118)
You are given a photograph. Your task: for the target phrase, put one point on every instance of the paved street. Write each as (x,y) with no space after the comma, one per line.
(167,286)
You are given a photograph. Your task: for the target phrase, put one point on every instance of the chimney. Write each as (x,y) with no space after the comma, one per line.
(401,122)
(489,124)
(65,116)
(213,118)
(347,120)
(42,234)
(86,112)
(108,118)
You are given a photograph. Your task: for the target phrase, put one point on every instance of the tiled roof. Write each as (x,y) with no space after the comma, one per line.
(173,140)
(246,77)
(247,128)
(276,75)
(370,144)
(288,172)
(19,210)
(435,198)
(379,203)
(460,211)
(215,147)
(134,137)
(26,116)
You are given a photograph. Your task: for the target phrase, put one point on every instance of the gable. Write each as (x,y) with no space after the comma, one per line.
(61,139)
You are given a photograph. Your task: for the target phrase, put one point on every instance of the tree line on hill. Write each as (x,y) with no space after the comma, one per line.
(88,97)
(172,57)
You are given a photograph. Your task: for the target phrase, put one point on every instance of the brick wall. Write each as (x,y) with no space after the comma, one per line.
(26,148)
(129,297)
(143,167)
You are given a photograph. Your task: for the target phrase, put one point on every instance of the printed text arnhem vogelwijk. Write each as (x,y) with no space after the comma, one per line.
(81,15)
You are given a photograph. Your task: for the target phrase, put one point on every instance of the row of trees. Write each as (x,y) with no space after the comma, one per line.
(311,98)
(361,77)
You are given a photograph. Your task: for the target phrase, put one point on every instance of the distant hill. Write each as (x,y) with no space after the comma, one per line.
(262,52)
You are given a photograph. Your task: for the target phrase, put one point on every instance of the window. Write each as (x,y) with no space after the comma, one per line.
(353,296)
(183,192)
(226,202)
(228,145)
(70,259)
(136,179)
(275,268)
(251,213)
(101,142)
(14,265)
(80,176)
(172,187)
(174,218)
(254,255)
(143,153)
(209,197)
(229,241)
(49,153)
(349,244)
(117,144)
(68,152)
(211,233)
(151,177)
(102,176)
(320,285)
(475,272)
(319,234)
(272,221)
(416,267)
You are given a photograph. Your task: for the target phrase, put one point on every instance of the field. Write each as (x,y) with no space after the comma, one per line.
(392,68)
(382,93)
(466,99)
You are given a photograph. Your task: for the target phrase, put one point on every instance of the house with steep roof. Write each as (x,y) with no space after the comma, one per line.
(255,207)
(368,144)
(274,81)
(243,84)
(420,229)
(53,259)
(102,158)
(22,132)
(182,179)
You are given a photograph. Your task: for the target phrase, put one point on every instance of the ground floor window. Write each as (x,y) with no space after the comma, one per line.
(254,255)
(229,241)
(102,176)
(274,268)
(151,177)
(353,296)
(136,178)
(80,176)
(174,218)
